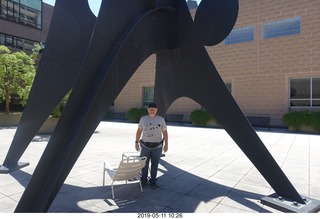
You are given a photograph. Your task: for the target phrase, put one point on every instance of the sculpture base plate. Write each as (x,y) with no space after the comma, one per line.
(286,205)
(8,169)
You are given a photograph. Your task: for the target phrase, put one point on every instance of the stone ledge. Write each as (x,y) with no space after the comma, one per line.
(13,119)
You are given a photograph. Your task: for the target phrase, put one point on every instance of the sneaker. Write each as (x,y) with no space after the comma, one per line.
(153,185)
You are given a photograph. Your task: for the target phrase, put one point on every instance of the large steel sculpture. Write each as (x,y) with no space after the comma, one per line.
(95,58)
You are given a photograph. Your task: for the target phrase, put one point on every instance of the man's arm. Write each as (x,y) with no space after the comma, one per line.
(138,135)
(165,136)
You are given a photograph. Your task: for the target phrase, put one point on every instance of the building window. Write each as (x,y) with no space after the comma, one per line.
(22,11)
(17,42)
(2,39)
(240,35)
(305,92)
(229,86)
(148,93)
(283,27)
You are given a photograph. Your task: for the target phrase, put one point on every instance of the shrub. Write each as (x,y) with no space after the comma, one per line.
(57,111)
(297,119)
(134,114)
(200,117)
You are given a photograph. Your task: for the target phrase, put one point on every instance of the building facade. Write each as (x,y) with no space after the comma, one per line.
(23,23)
(270,63)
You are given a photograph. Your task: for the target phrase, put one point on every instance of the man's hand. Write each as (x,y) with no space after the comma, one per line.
(137,146)
(165,148)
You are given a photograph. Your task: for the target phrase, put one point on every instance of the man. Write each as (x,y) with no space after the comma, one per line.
(154,139)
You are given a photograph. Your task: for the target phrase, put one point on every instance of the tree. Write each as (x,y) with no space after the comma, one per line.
(17,71)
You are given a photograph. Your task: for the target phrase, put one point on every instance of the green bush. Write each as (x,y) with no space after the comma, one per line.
(134,114)
(297,119)
(57,111)
(200,117)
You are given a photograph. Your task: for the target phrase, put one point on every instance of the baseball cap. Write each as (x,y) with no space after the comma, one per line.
(152,105)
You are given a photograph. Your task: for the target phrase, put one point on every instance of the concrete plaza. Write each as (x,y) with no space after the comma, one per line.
(204,171)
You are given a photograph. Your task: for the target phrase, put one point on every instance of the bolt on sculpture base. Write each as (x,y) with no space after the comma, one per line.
(282,204)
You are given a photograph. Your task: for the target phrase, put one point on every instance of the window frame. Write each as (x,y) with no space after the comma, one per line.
(281,28)
(146,101)
(229,86)
(16,15)
(16,42)
(240,35)
(310,100)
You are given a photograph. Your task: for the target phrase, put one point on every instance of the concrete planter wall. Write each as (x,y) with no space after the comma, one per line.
(304,128)
(13,119)
(213,123)
(49,126)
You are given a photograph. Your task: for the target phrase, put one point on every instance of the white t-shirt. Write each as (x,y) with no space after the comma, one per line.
(152,128)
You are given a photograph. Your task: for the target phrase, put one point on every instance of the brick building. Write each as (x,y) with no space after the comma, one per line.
(270,62)
(22,24)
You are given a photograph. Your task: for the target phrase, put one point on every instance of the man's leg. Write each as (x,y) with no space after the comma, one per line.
(145,152)
(155,158)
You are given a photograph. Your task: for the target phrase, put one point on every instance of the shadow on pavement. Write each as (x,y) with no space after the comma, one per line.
(179,191)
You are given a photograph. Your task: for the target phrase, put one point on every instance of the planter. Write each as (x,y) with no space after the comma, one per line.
(49,126)
(13,119)
(305,121)
(304,128)
(213,123)
(9,119)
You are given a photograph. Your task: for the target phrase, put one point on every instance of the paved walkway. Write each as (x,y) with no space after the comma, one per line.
(204,171)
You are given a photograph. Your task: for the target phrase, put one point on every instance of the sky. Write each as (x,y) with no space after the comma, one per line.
(94,4)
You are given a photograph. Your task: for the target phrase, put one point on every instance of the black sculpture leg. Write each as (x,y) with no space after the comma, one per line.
(189,71)
(205,86)
(68,38)
(89,100)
